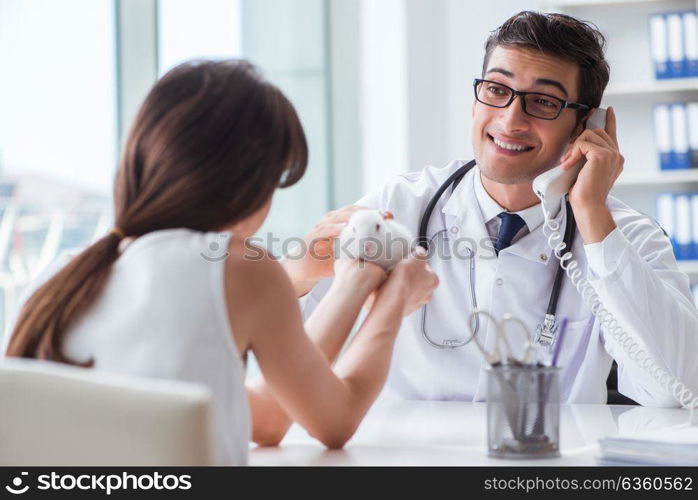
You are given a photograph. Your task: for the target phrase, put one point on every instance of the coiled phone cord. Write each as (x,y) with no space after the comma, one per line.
(682,394)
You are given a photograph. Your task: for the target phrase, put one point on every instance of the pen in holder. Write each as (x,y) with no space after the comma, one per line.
(523,411)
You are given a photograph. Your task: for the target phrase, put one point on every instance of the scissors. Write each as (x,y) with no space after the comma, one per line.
(516,393)
(497,357)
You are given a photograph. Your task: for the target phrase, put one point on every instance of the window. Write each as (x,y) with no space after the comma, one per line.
(58,146)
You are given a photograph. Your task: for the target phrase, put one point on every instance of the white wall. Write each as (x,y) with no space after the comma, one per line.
(383,97)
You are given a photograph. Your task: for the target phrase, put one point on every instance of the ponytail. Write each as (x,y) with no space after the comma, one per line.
(49,312)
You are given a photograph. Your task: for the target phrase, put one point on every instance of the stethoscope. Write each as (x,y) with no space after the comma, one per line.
(545,331)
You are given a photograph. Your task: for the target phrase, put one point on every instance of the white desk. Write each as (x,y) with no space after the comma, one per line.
(454,433)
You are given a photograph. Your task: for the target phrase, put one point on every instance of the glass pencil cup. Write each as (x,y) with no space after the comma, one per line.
(523,411)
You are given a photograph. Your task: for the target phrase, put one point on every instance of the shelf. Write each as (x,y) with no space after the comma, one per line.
(653,87)
(688,266)
(660,178)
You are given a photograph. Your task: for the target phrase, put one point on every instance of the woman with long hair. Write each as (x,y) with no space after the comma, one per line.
(175,291)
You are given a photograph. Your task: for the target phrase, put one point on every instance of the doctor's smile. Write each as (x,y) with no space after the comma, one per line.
(509,146)
(307,214)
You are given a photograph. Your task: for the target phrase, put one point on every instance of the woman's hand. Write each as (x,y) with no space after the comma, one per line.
(357,276)
(414,278)
(314,260)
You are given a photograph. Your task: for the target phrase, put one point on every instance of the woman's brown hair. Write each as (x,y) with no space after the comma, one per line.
(209,146)
(561,36)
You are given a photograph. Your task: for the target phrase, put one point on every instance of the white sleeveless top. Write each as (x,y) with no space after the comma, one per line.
(163,314)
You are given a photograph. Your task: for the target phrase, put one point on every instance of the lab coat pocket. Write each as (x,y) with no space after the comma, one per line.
(572,352)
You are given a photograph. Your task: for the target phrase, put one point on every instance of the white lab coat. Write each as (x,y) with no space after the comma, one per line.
(633,270)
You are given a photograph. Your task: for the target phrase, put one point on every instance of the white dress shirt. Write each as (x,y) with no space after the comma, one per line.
(490,209)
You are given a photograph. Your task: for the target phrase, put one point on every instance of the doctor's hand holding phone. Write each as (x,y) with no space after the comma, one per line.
(588,170)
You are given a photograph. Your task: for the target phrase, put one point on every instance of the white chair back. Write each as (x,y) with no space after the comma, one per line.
(54,414)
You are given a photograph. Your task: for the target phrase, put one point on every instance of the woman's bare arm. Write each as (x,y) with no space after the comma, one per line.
(328,328)
(264,311)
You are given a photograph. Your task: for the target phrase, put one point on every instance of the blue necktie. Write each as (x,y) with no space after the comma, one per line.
(511,224)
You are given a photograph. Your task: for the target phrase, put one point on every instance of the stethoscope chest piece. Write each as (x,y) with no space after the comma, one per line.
(546,332)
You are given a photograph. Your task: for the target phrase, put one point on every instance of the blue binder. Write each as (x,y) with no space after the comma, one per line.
(659,46)
(690,34)
(665,216)
(662,133)
(680,154)
(678,67)
(692,110)
(684,227)
(694,226)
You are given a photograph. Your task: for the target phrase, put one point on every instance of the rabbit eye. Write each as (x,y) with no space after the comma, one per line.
(378,227)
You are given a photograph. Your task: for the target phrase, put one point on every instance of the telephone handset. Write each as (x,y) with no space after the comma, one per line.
(552,185)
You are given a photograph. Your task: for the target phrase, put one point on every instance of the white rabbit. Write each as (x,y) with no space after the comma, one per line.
(369,237)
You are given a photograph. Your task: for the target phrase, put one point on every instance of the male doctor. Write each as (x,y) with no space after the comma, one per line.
(624,254)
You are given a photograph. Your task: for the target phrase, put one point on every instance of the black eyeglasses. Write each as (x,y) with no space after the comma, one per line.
(543,106)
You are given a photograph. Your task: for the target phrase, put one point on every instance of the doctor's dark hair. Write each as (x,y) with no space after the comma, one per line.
(561,36)
(209,146)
